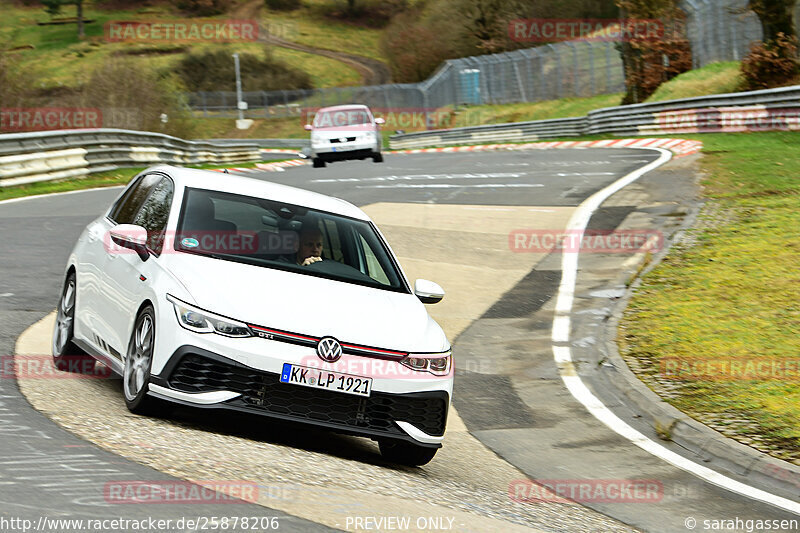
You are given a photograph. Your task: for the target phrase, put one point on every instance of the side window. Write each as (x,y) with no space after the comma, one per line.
(374,268)
(128,205)
(154,213)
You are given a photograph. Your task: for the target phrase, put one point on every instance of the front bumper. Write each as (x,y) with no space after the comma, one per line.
(345,155)
(358,148)
(197,377)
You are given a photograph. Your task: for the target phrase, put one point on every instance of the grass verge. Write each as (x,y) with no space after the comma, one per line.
(112,178)
(100,179)
(715,78)
(715,328)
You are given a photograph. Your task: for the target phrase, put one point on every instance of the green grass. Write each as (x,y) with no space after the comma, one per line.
(716,78)
(57,55)
(105,179)
(735,295)
(309,26)
(275,128)
(324,71)
(61,59)
(563,108)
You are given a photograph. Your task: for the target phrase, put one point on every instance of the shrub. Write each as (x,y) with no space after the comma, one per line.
(414,48)
(370,13)
(15,83)
(770,65)
(203,8)
(283,5)
(214,71)
(134,96)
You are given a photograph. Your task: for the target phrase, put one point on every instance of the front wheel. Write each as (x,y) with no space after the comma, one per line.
(406,453)
(318,163)
(377,158)
(138,361)
(66,356)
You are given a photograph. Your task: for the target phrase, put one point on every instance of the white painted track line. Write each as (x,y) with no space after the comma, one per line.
(563,356)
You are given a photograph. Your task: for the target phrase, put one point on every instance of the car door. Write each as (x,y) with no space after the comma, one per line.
(92,324)
(126,274)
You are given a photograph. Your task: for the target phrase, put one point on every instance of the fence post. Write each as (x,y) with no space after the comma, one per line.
(591,69)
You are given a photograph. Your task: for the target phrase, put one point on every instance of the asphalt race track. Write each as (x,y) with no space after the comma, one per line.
(448,217)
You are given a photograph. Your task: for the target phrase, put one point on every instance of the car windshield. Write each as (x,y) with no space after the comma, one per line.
(341,117)
(283,236)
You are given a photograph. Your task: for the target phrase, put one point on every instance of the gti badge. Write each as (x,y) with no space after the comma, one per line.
(329,349)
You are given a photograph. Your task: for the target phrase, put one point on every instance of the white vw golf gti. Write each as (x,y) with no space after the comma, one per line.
(223,292)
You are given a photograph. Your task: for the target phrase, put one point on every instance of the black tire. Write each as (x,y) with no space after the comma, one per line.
(318,163)
(406,453)
(377,158)
(67,357)
(137,364)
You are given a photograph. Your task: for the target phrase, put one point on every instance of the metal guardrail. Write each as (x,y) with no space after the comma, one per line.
(515,131)
(44,156)
(264,143)
(770,109)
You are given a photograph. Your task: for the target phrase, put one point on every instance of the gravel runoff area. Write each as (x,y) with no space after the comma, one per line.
(322,476)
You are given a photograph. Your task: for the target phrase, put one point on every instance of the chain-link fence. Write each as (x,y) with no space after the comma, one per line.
(567,69)
(718,30)
(722,30)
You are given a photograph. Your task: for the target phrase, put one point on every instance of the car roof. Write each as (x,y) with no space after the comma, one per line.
(343,107)
(218,181)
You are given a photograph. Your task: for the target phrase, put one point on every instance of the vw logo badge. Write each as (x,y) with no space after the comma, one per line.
(329,349)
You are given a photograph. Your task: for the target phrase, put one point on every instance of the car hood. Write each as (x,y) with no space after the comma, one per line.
(308,305)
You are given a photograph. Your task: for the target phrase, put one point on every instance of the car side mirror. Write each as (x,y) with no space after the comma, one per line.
(428,292)
(308,127)
(132,237)
(380,121)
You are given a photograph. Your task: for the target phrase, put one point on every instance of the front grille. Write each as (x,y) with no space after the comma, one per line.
(339,139)
(263,391)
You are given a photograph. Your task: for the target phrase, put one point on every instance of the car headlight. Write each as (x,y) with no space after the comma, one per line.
(201,321)
(438,364)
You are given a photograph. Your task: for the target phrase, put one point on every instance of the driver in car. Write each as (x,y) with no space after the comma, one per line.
(309,249)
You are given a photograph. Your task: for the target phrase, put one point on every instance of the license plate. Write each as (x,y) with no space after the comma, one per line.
(334,149)
(318,378)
